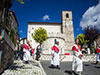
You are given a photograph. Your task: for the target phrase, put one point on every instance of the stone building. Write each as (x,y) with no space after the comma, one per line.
(7,47)
(62,32)
(98,41)
(14,23)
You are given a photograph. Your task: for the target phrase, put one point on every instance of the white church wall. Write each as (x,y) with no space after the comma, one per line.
(51,29)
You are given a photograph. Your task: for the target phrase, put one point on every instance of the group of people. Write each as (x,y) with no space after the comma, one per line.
(77,57)
(28,51)
(77,64)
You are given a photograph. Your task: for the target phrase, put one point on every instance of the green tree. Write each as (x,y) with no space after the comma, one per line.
(91,34)
(13,38)
(21,1)
(40,35)
(82,39)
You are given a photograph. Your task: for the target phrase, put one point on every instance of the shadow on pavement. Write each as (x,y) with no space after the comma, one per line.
(97,67)
(67,71)
(87,65)
(51,67)
(16,67)
(93,63)
(70,72)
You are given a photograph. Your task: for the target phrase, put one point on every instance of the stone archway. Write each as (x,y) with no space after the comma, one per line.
(47,45)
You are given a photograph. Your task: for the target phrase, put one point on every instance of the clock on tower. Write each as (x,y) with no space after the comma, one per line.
(68,23)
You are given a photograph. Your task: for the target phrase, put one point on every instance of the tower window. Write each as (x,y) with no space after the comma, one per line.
(67,15)
(32,34)
(32,28)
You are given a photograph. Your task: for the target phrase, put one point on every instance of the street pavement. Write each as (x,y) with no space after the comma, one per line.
(19,68)
(89,68)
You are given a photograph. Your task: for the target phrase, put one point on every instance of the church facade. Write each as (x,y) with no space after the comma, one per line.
(62,32)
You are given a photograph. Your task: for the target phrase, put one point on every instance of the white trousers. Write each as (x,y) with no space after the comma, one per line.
(77,64)
(26,56)
(98,57)
(55,59)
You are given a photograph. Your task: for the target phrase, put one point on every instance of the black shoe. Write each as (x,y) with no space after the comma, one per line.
(26,62)
(73,73)
(96,63)
(58,67)
(52,66)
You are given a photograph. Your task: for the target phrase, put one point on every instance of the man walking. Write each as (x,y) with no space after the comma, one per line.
(26,51)
(38,51)
(98,55)
(77,64)
(55,58)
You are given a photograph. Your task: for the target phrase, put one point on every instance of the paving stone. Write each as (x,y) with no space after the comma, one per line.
(19,68)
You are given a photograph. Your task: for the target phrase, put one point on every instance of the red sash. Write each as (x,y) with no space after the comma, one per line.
(98,50)
(74,48)
(77,48)
(26,47)
(55,49)
(33,50)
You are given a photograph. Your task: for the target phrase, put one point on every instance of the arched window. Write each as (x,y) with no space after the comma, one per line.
(67,15)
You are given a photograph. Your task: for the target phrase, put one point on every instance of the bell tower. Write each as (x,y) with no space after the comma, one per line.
(67,29)
(66,20)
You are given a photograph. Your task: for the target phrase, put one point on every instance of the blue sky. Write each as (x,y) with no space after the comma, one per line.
(50,10)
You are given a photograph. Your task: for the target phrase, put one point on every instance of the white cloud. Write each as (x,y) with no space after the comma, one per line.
(21,31)
(91,17)
(46,17)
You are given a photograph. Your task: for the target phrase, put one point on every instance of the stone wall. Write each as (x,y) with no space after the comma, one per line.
(98,41)
(7,49)
(48,44)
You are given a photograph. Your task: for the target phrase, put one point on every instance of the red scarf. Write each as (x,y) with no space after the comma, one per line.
(74,48)
(26,47)
(98,50)
(55,48)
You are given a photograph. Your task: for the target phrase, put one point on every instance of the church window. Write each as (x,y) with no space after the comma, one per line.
(32,34)
(67,15)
